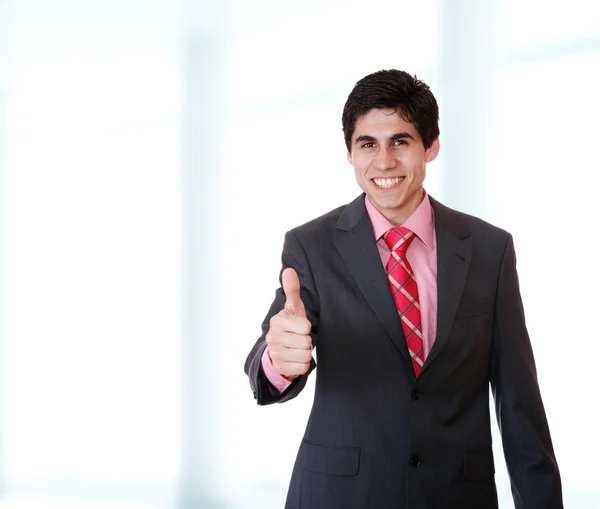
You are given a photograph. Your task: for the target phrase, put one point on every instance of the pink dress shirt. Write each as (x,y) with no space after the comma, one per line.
(422,256)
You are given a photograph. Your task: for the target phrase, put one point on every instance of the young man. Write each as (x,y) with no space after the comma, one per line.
(413,308)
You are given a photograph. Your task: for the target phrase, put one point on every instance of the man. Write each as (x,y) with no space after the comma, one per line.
(413,309)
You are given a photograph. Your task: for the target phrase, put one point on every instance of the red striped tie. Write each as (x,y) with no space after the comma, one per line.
(403,285)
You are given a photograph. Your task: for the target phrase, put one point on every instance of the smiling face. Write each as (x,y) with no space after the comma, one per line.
(389,161)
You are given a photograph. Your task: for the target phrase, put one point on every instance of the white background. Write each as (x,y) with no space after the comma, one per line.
(152,156)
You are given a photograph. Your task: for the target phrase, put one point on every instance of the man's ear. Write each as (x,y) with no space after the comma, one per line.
(350,158)
(432,152)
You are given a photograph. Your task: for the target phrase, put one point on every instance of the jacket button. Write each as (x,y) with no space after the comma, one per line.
(415,394)
(415,461)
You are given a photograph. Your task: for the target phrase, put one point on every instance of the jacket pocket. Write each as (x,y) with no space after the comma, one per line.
(330,460)
(474,307)
(478,464)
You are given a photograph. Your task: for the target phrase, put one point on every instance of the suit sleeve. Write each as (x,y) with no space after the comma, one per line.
(532,467)
(293,256)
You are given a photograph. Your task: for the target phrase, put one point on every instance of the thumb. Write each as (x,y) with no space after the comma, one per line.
(291,288)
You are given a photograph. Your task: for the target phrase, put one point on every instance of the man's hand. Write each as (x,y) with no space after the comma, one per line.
(290,346)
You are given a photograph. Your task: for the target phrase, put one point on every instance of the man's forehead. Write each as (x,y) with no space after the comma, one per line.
(383,122)
(385,115)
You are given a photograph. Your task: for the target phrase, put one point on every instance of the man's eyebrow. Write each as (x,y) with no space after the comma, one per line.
(393,137)
(401,136)
(364,137)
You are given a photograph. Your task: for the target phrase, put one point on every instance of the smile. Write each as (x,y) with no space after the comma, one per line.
(386,183)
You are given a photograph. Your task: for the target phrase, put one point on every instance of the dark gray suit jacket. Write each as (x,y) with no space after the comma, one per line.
(379,438)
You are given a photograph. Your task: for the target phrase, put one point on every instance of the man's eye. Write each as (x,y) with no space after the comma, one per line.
(399,142)
(368,144)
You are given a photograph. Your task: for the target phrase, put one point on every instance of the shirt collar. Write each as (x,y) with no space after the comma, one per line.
(420,222)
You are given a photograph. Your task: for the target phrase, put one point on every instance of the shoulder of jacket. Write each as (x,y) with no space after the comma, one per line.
(318,225)
(475,225)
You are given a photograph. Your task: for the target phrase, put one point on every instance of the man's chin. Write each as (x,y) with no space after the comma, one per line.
(389,203)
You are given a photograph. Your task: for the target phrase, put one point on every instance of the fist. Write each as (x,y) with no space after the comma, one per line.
(290,346)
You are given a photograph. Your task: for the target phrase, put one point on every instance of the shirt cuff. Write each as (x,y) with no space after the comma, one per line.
(279,382)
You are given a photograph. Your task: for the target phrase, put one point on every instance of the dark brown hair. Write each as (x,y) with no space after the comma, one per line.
(397,90)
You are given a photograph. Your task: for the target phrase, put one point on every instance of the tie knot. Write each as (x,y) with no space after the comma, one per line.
(398,239)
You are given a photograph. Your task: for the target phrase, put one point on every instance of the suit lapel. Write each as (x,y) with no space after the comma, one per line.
(453,260)
(355,242)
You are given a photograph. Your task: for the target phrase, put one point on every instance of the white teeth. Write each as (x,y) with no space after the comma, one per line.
(388,182)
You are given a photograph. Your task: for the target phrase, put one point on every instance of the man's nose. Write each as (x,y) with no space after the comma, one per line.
(384,160)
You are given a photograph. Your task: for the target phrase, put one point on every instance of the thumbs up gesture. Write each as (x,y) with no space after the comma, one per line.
(290,346)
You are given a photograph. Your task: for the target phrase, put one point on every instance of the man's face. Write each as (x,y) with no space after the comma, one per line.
(389,162)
